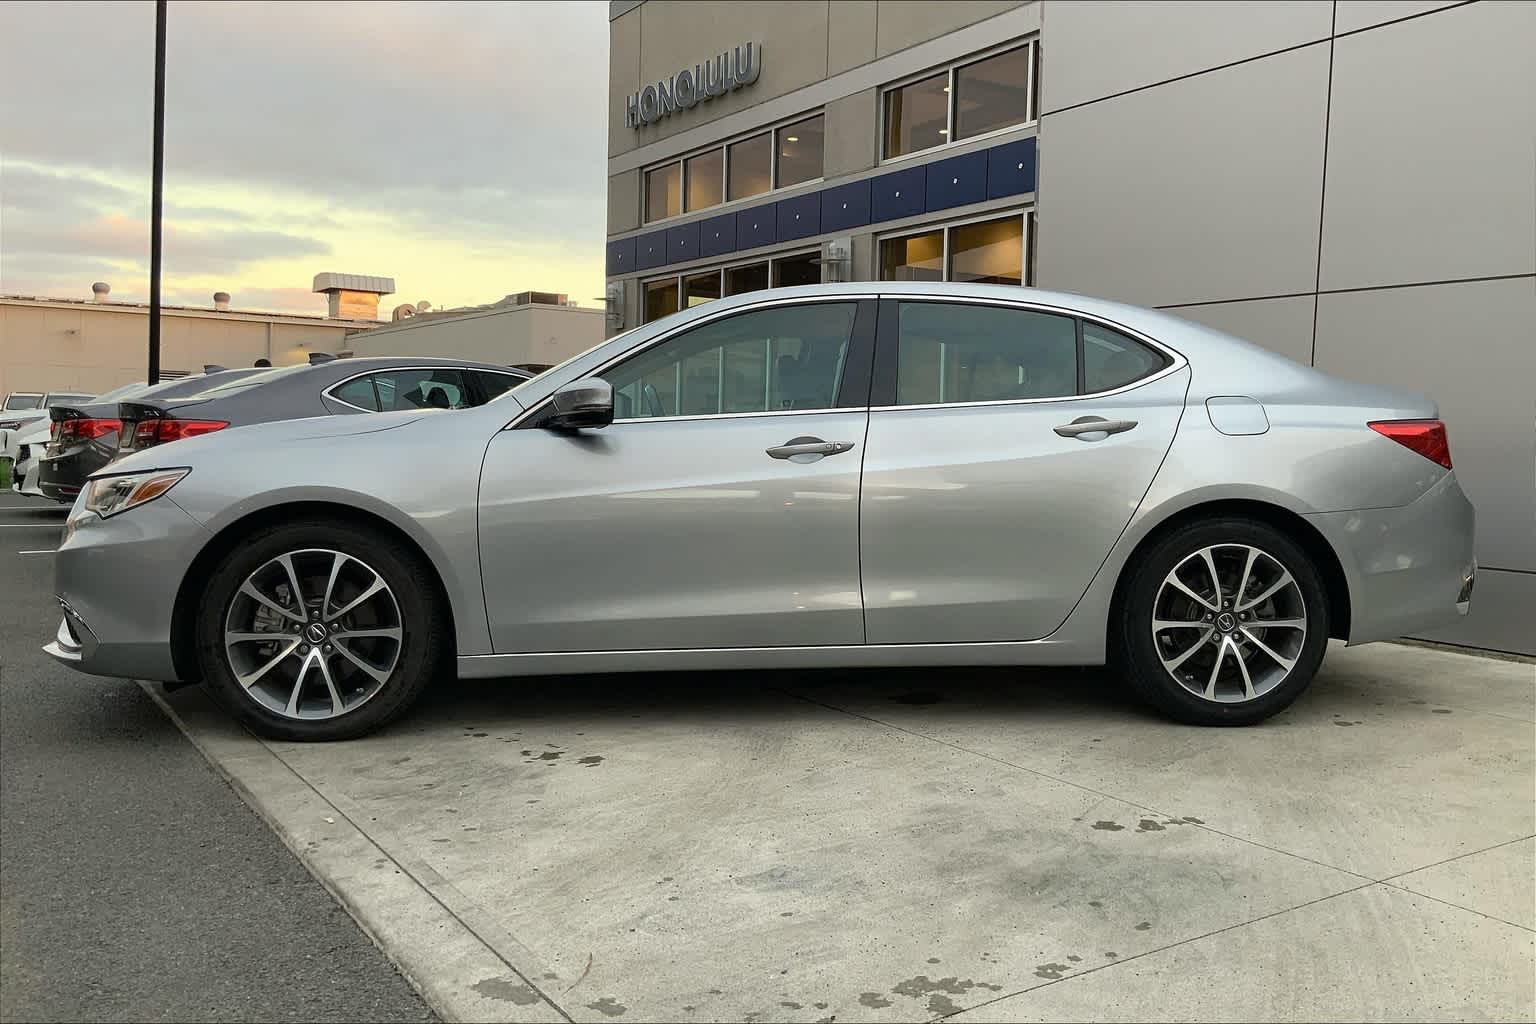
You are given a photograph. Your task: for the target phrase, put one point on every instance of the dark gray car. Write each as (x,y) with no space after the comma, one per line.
(338,387)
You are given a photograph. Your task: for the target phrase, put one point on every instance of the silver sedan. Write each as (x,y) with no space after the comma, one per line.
(860,474)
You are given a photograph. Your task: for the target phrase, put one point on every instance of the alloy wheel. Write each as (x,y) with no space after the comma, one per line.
(1229,623)
(313,634)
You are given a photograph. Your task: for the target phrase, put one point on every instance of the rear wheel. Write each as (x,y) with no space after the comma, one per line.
(319,631)
(1222,622)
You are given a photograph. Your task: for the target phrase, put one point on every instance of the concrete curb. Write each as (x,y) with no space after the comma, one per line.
(411,914)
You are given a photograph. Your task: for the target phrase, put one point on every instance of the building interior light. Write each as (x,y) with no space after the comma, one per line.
(792,138)
(943,131)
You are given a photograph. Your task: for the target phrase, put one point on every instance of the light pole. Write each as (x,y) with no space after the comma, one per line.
(157,182)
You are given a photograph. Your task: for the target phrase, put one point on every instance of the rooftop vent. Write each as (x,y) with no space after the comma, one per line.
(221,300)
(100,290)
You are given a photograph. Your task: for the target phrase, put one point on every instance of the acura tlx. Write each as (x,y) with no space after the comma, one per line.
(865,474)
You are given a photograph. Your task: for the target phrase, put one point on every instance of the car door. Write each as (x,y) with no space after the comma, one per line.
(719,509)
(991,496)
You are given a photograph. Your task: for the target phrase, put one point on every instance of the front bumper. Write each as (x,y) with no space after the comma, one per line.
(1410,568)
(117,581)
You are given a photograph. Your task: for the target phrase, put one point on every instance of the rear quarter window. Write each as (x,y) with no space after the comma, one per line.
(1112,360)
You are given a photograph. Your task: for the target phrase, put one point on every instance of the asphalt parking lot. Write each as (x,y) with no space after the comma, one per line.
(891,846)
(134,884)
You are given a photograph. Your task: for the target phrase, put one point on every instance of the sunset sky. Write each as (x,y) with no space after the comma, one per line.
(458,148)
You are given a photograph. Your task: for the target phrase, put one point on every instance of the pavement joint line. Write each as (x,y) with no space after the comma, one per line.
(1159,949)
(438,992)
(1458,906)
(1392,880)
(1077,785)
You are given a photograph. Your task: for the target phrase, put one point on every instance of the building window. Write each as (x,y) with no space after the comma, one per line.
(750,166)
(963,102)
(663,192)
(779,157)
(917,116)
(660,298)
(753,277)
(704,178)
(801,147)
(987,250)
(662,295)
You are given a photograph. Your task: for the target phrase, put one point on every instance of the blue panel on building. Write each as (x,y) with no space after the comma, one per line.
(650,250)
(621,257)
(717,235)
(958,181)
(846,206)
(898,194)
(799,217)
(1011,169)
(757,226)
(682,243)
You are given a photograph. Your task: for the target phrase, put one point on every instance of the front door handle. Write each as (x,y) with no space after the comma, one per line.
(1094,428)
(808,449)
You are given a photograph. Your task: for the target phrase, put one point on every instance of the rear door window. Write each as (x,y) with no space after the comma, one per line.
(420,389)
(951,352)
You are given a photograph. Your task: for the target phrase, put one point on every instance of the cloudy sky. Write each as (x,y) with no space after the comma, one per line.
(456,147)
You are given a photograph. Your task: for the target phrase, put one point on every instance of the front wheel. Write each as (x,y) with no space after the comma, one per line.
(319,631)
(1223,622)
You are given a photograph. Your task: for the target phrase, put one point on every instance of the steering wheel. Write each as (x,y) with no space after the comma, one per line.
(652,399)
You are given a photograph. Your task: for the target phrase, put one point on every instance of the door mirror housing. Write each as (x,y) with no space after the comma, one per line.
(587,402)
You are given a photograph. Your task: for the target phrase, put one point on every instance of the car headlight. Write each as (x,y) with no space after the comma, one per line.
(109,495)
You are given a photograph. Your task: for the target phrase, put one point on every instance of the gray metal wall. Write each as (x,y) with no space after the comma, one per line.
(1352,184)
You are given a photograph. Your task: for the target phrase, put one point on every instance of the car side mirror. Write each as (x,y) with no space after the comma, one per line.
(587,402)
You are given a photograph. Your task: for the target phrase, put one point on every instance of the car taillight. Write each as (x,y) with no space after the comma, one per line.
(74,431)
(160,431)
(1427,437)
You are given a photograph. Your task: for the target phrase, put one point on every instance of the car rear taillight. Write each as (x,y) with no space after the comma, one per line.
(160,431)
(77,430)
(1427,437)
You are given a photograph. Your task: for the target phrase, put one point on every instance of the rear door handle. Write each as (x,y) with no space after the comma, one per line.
(808,449)
(1087,425)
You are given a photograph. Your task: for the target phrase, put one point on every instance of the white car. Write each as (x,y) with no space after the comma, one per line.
(25,408)
(25,448)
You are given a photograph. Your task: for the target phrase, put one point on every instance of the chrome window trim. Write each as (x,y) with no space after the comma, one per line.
(1177,360)
(700,322)
(386,369)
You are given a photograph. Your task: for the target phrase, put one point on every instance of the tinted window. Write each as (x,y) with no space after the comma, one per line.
(800,151)
(1111,360)
(992,93)
(990,252)
(948,352)
(420,389)
(917,115)
(913,258)
(663,192)
(789,357)
(496,384)
(749,166)
(660,298)
(706,177)
(358,392)
(17,402)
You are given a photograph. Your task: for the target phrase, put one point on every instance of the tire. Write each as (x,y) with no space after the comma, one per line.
(384,645)
(1243,693)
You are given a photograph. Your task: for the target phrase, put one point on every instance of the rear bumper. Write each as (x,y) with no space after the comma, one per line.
(1409,568)
(116,580)
(60,477)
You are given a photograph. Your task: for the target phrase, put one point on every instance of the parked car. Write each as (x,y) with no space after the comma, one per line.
(24,408)
(84,436)
(25,448)
(857,474)
(333,387)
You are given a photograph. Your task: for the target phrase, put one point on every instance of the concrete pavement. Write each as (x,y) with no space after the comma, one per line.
(988,845)
(134,885)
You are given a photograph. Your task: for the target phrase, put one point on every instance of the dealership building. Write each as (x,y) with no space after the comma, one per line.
(1350,183)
